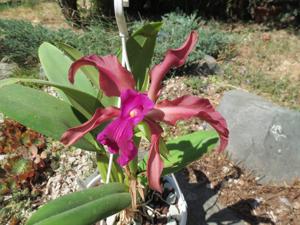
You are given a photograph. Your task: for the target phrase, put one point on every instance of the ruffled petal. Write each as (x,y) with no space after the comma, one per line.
(113,77)
(173,58)
(101,115)
(118,137)
(155,164)
(186,107)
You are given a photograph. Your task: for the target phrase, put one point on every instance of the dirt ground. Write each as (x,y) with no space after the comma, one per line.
(45,13)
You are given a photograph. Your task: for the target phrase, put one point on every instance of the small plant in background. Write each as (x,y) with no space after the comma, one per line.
(23,154)
(24,166)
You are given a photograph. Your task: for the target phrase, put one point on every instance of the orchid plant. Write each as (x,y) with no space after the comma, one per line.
(111,114)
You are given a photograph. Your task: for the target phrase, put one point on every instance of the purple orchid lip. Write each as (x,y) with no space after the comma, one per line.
(118,135)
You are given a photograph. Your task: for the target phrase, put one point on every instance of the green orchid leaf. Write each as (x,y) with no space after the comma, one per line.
(84,207)
(163,150)
(44,113)
(83,102)
(91,72)
(140,49)
(185,150)
(56,66)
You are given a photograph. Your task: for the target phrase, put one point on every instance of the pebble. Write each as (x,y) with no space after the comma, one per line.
(296,205)
(285,201)
(74,165)
(225,169)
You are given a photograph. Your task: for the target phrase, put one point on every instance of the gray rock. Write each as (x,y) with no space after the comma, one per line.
(206,66)
(7,69)
(263,136)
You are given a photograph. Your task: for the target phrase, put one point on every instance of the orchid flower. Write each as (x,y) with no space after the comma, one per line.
(136,107)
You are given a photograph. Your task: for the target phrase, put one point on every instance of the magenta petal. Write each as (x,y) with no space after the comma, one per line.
(113,77)
(186,107)
(173,58)
(118,137)
(101,115)
(137,103)
(155,164)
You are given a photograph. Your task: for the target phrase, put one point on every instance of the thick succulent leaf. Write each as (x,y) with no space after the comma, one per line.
(83,102)
(42,112)
(140,48)
(84,207)
(74,54)
(56,66)
(91,72)
(184,150)
(21,166)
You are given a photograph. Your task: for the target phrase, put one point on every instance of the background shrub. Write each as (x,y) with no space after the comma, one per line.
(176,26)
(19,40)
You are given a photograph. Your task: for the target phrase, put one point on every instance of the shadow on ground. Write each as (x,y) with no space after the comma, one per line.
(203,207)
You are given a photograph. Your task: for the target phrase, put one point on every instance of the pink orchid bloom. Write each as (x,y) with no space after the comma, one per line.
(115,80)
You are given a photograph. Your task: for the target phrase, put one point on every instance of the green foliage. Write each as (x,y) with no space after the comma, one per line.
(82,101)
(176,26)
(140,48)
(90,71)
(83,207)
(20,40)
(185,150)
(56,66)
(27,72)
(6,4)
(97,39)
(42,112)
